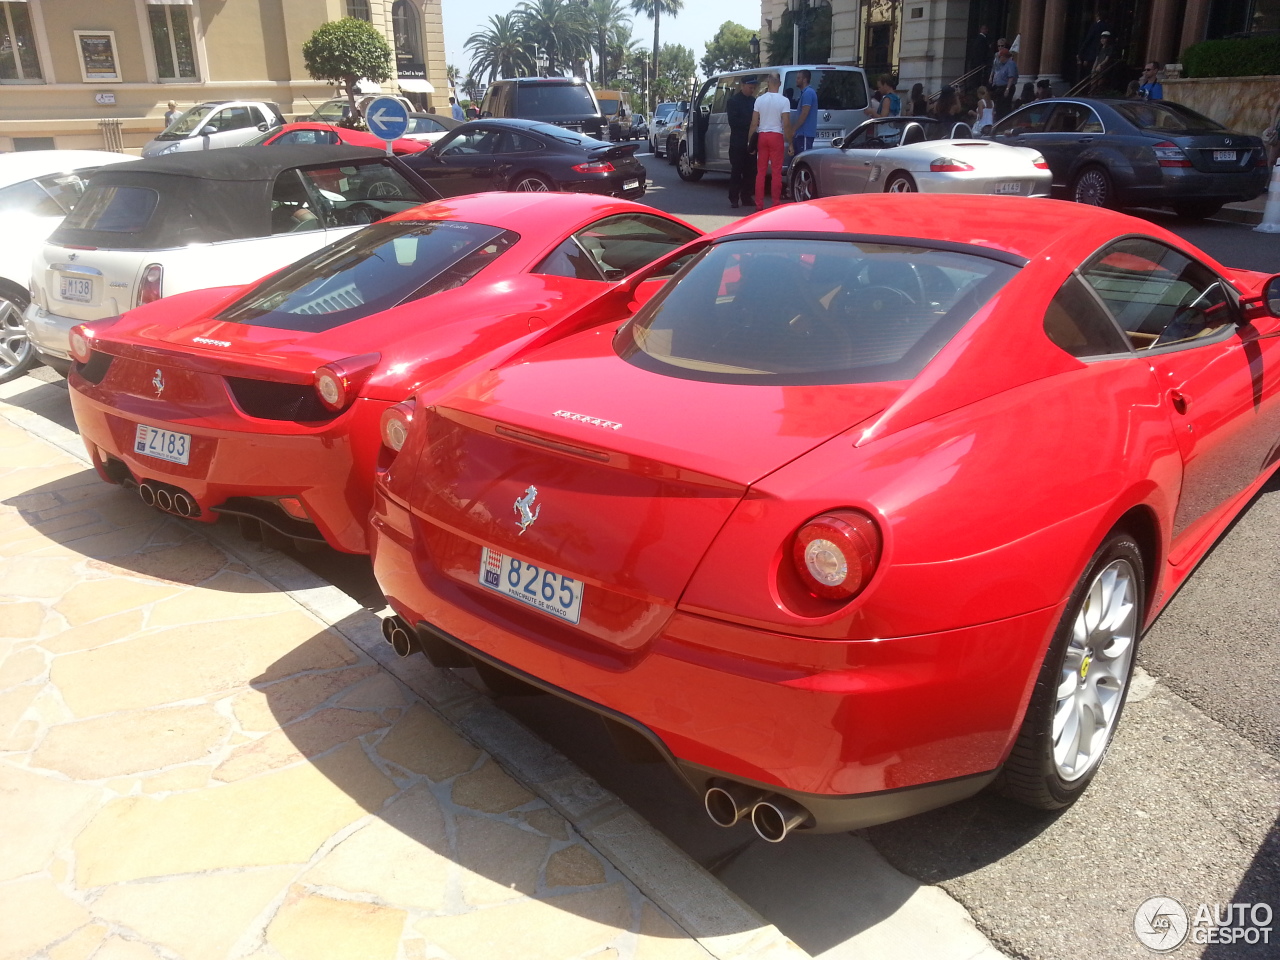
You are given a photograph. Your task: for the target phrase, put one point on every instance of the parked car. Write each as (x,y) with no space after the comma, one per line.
(666,140)
(159,227)
(564,101)
(863,511)
(337,108)
(917,154)
(843,96)
(527,155)
(267,401)
(214,125)
(37,189)
(331,135)
(1126,153)
(636,128)
(611,101)
(429,127)
(658,128)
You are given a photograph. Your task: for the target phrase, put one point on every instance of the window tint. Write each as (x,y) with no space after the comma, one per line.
(67,188)
(424,125)
(809,311)
(28,197)
(836,89)
(1163,115)
(364,273)
(622,245)
(1073,118)
(233,118)
(1158,295)
(1079,324)
(515,143)
(360,192)
(1027,120)
(480,142)
(539,101)
(187,124)
(569,260)
(113,210)
(306,136)
(724,90)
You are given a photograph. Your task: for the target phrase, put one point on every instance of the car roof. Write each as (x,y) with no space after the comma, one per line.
(250,163)
(786,68)
(524,81)
(28,164)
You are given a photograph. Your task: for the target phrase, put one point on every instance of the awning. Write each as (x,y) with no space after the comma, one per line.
(170,3)
(414,85)
(367,87)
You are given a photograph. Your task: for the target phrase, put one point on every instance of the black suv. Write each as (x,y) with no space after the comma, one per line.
(565,101)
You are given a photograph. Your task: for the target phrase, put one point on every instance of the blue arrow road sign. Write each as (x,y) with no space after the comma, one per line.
(388,119)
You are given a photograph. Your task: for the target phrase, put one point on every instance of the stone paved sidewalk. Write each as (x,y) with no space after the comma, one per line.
(192,765)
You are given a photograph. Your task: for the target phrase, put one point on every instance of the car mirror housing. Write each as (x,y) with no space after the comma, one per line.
(837,142)
(1271,296)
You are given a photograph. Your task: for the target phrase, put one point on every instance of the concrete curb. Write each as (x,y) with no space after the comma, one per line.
(698,903)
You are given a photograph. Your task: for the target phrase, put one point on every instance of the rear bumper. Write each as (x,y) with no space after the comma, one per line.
(610,185)
(1180,183)
(321,466)
(858,732)
(985,184)
(50,333)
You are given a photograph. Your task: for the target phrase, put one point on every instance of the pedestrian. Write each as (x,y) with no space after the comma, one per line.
(1028,94)
(986,110)
(1133,91)
(919,104)
(1151,88)
(1106,59)
(805,121)
(455,109)
(171,114)
(889,104)
(979,54)
(947,107)
(1088,52)
(771,120)
(1003,80)
(475,112)
(742,161)
(1044,89)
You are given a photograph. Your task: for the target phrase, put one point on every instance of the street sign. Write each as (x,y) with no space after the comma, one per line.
(388,119)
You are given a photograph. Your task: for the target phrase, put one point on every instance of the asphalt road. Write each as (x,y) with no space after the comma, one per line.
(1185,806)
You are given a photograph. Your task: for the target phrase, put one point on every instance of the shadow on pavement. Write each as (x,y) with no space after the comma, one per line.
(1260,884)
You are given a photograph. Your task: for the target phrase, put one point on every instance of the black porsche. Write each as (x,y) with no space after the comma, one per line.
(527,155)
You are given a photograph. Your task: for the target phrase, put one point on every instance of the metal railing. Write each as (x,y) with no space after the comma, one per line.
(112,135)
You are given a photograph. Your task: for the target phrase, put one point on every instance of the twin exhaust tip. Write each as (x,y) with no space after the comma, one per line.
(170,501)
(398,633)
(773,816)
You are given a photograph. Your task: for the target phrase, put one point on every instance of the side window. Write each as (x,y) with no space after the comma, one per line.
(1079,324)
(724,90)
(306,136)
(569,260)
(293,208)
(1027,120)
(233,118)
(1073,118)
(622,245)
(1158,295)
(515,143)
(476,143)
(354,194)
(28,197)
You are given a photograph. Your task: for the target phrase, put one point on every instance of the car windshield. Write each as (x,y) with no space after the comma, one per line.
(379,267)
(113,210)
(554,100)
(664,110)
(189,122)
(1162,117)
(888,133)
(803,311)
(836,89)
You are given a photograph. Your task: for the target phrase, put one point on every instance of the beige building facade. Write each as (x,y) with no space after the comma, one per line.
(98,74)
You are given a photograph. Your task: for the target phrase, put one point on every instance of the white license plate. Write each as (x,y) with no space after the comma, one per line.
(1008,186)
(828,133)
(162,444)
(543,589)
(72,288)
(630,184)
(1228,156)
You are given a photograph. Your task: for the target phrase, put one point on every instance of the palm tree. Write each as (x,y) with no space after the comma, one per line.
(603,18)
(558,27)
(500,50)
(654,9)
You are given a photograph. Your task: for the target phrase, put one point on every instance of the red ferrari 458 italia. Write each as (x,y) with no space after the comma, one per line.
(864,510)
(265,401)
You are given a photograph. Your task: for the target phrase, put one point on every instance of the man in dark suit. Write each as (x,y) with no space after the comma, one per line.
(1088,53)
(742,163)
(979,55)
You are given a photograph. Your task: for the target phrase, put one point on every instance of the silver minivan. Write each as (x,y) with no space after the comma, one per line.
(843,96)
(215,124)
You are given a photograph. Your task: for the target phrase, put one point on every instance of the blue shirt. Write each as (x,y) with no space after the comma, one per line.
(810,128)
(1152,91)
(457,112)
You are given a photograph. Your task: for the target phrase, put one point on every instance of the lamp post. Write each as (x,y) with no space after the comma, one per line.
(754,43)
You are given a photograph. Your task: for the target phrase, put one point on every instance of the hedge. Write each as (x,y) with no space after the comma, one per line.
(1247,57)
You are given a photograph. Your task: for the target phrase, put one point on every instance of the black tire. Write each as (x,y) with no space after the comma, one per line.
(17,354)
(804,185)
(900,182)
(1197,209)
(1092,186)
(1032,775)
(529,182)
(673,150)
(685,168)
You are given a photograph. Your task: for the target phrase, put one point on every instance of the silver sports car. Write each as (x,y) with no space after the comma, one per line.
(910,154)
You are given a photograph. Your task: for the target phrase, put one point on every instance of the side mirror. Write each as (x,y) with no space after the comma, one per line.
(1271,296)
(837,142)
(1265,307)
(264,127)
(205,131)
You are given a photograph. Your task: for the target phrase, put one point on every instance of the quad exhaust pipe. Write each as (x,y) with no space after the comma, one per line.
(169,499)
(773,816)
(401,637)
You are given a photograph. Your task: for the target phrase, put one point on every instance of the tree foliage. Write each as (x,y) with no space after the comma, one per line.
(729,49)
(557,26)
(499,49)
(1241,57)
(676,73)
(815,37)
(604,19)
(654,9)
(343,51)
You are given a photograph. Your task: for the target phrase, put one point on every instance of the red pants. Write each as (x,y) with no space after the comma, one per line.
(770,150)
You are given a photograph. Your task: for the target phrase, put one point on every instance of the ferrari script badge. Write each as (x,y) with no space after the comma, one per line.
(523,511)
(158,382)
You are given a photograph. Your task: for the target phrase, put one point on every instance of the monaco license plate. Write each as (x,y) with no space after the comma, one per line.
(1224,156)
(630,184)
(543,589)
(1008,186)
(162,444)
(73,288)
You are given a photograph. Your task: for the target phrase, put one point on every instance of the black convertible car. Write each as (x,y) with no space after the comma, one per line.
(1129,153)
(524,155)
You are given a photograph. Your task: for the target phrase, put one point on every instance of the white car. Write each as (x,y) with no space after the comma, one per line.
(216,124)
(918,154)
(190,221)
(37,189)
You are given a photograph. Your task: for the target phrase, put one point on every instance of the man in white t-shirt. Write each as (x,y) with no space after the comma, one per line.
(772,121)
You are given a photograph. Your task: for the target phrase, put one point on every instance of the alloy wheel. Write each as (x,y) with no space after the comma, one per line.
(1095,670)
(1092,188)
(900,185)
(16,351)
(803,186)
(532,185)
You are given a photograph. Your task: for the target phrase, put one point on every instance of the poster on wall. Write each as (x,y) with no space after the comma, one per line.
(98,61)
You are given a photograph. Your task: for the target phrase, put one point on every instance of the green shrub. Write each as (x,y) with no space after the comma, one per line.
(1247,57)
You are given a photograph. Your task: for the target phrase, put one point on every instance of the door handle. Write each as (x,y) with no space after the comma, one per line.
(1084,140)
(1178,400)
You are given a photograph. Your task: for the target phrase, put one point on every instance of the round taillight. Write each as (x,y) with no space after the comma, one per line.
(836,553)
(396,421)
(332,391)
(81,344)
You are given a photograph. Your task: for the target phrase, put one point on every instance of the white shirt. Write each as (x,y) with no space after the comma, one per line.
(771,107)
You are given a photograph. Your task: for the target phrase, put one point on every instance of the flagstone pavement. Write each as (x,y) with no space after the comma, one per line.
(192,765)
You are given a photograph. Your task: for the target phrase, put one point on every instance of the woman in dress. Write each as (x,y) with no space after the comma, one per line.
(986,110)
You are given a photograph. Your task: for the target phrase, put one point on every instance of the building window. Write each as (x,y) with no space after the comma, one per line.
(359,9)
(18,60)
(172,42)
(407,30)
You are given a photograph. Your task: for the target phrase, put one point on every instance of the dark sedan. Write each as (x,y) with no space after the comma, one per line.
(1128,153)
(526,155)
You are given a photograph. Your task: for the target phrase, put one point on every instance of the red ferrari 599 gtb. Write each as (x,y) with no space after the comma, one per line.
(865,510)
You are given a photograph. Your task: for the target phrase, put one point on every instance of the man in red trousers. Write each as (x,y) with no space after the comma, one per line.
(772,121)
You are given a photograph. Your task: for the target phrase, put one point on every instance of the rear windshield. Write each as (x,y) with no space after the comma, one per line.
(836,89)
(782,312)
(664,110)
(113,210)
(186,124)
(377,268)
(1166,117)
(567,136)
(558,100)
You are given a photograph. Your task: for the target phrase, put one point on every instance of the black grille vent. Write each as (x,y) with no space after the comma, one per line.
(269,400)
(96,368)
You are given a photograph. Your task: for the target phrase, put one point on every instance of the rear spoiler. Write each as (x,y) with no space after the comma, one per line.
(612,151)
